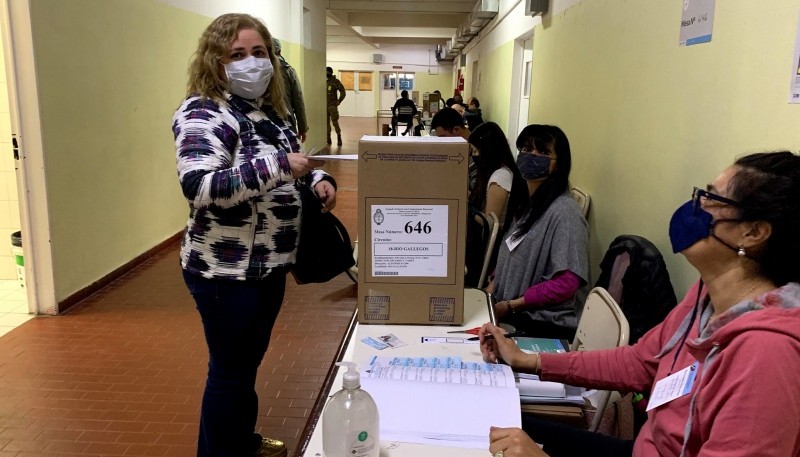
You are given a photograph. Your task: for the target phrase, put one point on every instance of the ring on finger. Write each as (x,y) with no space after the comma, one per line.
(499,454)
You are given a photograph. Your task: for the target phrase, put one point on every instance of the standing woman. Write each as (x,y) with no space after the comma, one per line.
(543,262)
(237,164)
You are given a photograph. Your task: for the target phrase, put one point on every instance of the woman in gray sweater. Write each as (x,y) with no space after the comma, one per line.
(543,266)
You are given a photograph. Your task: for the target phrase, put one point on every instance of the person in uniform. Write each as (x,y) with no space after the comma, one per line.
(336,94)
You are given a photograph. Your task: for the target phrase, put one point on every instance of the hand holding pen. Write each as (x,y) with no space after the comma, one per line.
(496,345)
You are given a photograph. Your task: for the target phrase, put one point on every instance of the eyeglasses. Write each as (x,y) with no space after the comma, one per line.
(698,194)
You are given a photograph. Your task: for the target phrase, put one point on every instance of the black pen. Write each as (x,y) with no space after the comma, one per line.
(490,337)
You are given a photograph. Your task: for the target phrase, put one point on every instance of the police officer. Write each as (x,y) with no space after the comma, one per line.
(336,94)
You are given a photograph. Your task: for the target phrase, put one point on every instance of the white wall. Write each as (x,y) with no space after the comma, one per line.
(413,58)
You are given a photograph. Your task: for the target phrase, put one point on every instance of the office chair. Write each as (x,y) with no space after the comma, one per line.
(583,199)
(405,115)
(602,326)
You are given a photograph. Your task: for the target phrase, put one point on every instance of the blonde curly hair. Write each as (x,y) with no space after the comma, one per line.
(205,70)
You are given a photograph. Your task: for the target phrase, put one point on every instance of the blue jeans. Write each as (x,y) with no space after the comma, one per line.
(237,320)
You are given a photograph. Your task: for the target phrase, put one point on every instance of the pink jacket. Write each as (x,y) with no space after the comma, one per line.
(745,400)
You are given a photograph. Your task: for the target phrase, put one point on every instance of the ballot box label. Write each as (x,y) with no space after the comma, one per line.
(409,240)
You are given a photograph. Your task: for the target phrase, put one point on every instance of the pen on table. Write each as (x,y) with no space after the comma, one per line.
(490,337)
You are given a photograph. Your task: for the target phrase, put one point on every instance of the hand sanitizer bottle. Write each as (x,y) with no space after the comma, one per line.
(350,420)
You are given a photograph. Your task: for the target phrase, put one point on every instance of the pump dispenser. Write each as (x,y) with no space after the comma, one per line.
(350,420)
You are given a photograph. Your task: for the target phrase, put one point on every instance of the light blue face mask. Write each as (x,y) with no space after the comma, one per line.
(533,166)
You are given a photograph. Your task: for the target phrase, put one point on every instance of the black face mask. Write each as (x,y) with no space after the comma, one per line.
(329,75)
(533,166)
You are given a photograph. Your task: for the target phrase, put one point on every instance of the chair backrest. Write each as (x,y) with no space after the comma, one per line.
(494,222)
(602,324)
(478,234)
(405,114)
(583,199)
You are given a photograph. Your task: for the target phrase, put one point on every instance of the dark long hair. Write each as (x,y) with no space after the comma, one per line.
(495,153)
(544,138)
(767,186)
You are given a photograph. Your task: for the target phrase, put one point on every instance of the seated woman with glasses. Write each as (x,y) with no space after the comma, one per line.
(543,263)
(722,367)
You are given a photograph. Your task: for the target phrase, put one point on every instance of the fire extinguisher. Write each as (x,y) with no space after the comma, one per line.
(459,83)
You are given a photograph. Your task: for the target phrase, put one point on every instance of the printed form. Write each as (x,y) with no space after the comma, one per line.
(441,400)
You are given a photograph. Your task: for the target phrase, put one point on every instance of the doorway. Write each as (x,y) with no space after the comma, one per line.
(392,83)
(359,100)
(24,133)
(521,86)
(14,309)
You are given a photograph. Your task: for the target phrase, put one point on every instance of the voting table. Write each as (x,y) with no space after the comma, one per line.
(478,310)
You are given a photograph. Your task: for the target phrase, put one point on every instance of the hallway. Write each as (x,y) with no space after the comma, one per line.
(122,373)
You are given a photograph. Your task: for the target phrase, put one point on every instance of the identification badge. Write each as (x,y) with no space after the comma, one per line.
(513,243)
(673,386)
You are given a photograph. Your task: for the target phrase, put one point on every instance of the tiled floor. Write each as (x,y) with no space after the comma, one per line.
(13,306)
(122,373)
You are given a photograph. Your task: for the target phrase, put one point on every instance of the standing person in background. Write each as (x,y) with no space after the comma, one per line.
(294,94)
(336,94)
(237,165)
(543,265)
(473,115)
(441,100)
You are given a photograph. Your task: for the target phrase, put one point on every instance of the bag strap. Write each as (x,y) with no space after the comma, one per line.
(341,228)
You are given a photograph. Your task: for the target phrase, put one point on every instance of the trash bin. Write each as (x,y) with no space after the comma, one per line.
(16,253)
(385,129)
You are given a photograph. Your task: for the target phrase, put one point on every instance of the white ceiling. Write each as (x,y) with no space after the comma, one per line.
(381,22)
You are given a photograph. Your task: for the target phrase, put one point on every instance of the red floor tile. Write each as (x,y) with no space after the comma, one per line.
(122,373)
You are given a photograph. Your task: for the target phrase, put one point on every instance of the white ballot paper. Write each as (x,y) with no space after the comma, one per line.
(441,400)
(409,240)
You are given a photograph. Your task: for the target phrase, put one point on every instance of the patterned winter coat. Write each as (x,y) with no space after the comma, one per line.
(244,207)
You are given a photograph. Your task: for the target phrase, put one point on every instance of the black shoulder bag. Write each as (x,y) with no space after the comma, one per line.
(323,249)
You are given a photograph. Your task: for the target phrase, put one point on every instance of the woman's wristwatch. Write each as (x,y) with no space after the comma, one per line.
(510,307)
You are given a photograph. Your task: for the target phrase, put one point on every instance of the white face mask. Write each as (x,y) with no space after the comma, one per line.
(249,78)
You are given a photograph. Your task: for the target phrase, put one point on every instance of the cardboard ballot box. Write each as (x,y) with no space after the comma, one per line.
(430,103)
(412,213)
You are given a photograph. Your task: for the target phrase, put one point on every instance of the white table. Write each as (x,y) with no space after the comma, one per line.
(477,311)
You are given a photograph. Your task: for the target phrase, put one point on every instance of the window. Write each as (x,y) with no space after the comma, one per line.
(406,81)
(400,81)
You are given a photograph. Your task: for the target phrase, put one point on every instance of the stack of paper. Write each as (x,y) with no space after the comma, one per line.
(532,390)
(441,400)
